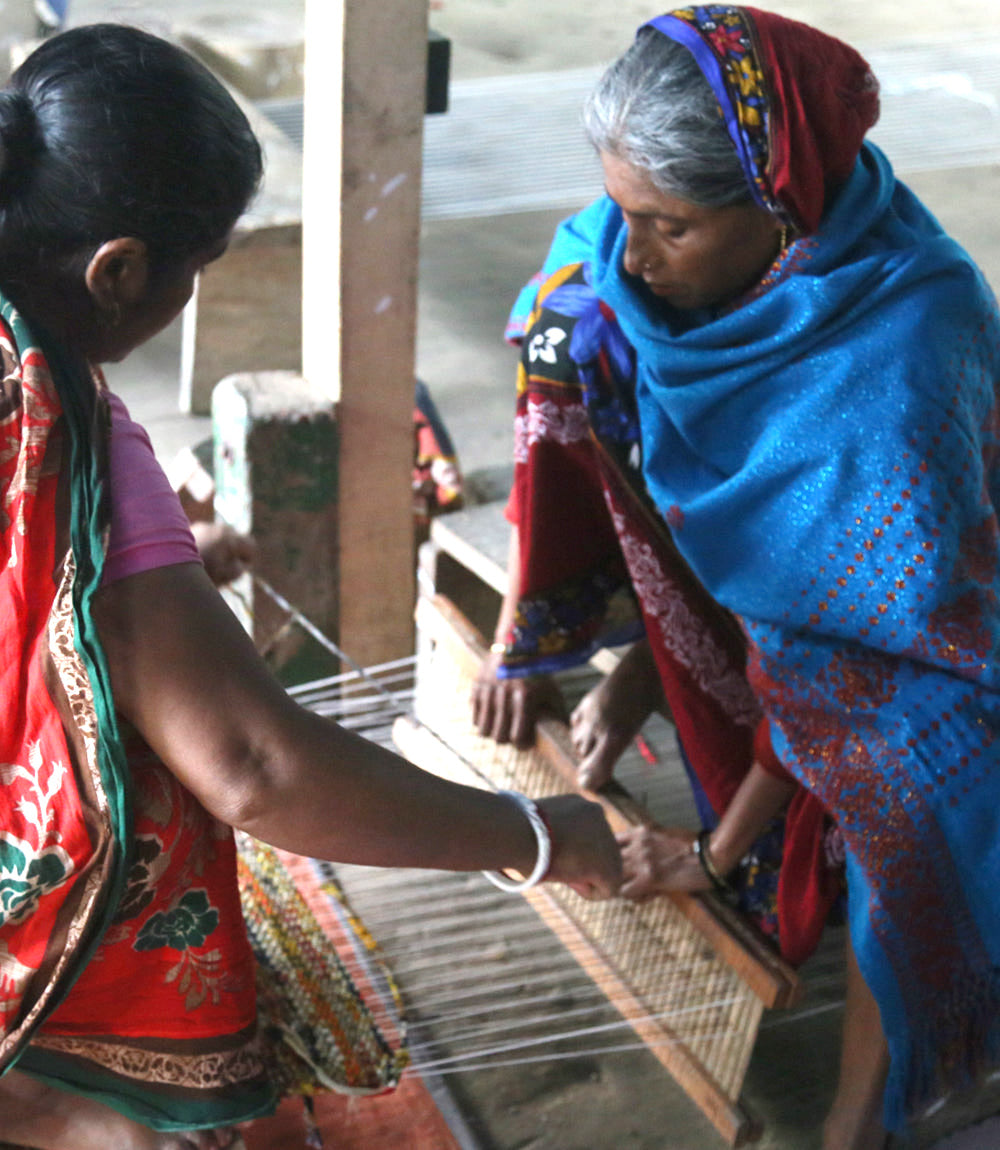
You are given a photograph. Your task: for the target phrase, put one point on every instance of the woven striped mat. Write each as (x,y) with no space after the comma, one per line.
(317,1019)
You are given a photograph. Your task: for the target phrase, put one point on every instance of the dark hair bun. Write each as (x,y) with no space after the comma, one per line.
(108,131)
(19,140)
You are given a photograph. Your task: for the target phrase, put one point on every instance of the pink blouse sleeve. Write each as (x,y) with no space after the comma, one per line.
(148,525)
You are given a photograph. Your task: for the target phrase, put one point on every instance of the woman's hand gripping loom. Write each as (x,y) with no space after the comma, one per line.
(609,717)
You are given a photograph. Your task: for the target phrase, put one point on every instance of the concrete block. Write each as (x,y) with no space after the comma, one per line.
(246,313)
(275,464)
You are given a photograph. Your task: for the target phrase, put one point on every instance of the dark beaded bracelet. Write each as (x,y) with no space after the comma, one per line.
(701,849)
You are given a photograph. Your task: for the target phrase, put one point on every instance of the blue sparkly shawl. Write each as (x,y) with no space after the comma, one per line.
(827,456)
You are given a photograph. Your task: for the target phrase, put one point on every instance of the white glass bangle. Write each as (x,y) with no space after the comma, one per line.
(544,839)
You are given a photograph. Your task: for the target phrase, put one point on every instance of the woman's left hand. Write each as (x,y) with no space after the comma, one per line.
(659,859)
(225,552)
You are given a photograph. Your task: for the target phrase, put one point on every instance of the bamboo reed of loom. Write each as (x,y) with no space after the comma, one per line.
(687,973)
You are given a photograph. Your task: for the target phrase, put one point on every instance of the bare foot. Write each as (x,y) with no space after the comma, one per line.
(44,1118)
(851,1132)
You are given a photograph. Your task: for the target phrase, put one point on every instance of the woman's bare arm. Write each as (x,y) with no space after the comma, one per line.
(187,676)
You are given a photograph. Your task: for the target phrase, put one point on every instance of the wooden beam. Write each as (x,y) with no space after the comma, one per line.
(365,80)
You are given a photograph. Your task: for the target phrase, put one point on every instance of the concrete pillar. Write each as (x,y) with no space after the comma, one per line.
(276,448)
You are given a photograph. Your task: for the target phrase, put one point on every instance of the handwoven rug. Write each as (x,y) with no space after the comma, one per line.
(406,1116)
(318,1020)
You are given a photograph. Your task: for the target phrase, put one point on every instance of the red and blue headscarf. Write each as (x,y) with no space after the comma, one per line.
(797,103)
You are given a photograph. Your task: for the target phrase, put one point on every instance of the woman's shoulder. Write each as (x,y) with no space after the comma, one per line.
(572,247)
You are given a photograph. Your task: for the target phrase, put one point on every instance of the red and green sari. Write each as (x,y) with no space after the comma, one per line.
(125,970)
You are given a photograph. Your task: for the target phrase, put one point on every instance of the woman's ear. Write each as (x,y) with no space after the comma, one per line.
(117,275)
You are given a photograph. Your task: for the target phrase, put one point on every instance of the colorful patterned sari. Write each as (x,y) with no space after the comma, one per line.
(125,971)
(827,457)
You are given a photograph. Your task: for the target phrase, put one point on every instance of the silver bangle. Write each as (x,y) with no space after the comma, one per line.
(543,838)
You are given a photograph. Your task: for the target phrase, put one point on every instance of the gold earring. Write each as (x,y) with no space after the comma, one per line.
(784,237)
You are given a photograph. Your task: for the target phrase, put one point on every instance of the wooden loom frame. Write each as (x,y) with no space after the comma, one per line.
(710,932)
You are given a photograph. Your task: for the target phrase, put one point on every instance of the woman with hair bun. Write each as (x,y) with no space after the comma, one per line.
(139,724)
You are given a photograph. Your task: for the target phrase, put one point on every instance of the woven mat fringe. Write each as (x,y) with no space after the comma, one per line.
(324,1034)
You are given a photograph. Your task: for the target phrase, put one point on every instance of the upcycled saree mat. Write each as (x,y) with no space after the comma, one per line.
(314,1018)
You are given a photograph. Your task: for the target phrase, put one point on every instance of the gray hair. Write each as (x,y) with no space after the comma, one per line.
(655,110)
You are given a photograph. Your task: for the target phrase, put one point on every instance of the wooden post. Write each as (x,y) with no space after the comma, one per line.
(365,86)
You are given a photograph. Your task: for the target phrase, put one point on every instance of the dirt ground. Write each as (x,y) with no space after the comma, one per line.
(491,37)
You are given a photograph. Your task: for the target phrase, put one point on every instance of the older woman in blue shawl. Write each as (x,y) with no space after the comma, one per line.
(816,383)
